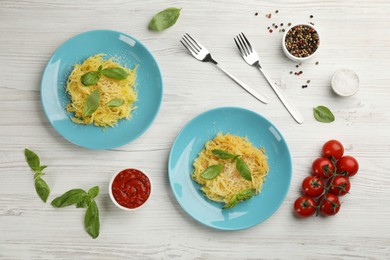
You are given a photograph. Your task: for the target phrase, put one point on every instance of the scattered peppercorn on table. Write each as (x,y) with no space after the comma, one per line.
(351,36)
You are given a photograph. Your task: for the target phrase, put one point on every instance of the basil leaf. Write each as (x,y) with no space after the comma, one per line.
(232,203)
(243,169)
(69,198)
(164,19)
(115,73)
(223,154)
(323,114)
(33,160)
(241,196)
(212,171)
(91,220)
(90,78)
(116,102)
(42,188)
(93,192)
(245,194)
(92,103)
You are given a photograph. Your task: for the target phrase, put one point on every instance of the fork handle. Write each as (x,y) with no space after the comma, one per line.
(250,90)
(294,112)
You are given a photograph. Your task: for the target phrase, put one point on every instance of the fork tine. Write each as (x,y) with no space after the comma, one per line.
(238,46)
(191,44)
(197,44)
(249,45)
(243,45)
(188,49)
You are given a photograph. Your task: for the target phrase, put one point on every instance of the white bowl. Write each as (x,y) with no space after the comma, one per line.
(288,54)
(113,198)
(345,82)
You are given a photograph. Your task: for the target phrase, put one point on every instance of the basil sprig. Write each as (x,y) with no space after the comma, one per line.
(164,19)
(92,77)
(116,102)
(91,103)
(41,186)
(323,114)
(82,199)
(241,196)
(212,171)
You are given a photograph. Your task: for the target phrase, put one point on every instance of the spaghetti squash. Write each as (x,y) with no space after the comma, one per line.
(222,169)
(114,94)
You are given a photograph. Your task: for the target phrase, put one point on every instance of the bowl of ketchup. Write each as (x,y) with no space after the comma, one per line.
(130,189)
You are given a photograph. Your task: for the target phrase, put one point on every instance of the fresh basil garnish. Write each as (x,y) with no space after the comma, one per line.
(241,196)
(164,19)
(90,78)
(33,161)
(69,198)
(323,114)
(82,199)
(243,169)
(116,102)
(41,186)
(91,220)
(223,154)
(93,192)
(92,103)
(115,73)
(212,171)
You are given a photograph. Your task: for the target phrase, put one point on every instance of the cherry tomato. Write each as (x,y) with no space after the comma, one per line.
(313,186)
(340,186)
(305,206)
(319,166)
(333,148)
(347,164)
(331,204)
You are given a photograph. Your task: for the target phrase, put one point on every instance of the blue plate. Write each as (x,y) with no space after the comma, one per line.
(191,141)
(128,52)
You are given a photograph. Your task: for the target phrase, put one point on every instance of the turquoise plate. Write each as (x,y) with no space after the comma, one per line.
(128,52)
(191,141)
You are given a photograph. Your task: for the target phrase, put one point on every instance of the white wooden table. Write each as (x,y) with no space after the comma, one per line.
(355,35)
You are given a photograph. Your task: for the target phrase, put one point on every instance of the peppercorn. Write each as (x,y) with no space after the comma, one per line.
(302,41)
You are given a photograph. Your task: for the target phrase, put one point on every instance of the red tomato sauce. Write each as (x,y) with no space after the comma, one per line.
(131,188)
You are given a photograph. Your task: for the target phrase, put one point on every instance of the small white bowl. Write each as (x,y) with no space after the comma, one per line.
(345,82)
(288,54)
(113,198)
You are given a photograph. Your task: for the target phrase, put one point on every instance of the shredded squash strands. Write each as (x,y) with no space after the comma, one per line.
(109,88)
(229,183)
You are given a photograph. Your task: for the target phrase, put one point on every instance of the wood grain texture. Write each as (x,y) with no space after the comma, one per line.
(354,34)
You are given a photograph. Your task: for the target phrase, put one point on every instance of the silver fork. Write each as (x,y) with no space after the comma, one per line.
(201,53)
(251,57)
